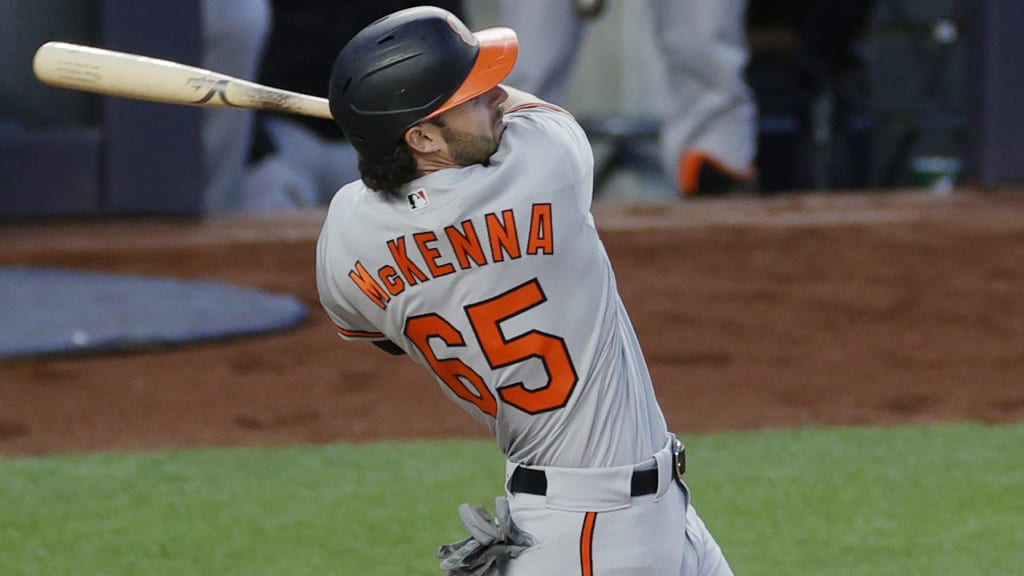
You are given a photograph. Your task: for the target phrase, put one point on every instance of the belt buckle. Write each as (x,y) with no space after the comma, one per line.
(679,457)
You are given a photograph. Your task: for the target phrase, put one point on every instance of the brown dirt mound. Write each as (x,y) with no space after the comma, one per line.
(787,311)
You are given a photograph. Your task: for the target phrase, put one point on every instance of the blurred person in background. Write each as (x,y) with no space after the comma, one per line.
(816,53)
(550,34)
(709,129)
(233,36)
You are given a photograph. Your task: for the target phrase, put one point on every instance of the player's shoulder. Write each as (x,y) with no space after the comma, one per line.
(349,204)
(341,199)
(537,126)
(350,198)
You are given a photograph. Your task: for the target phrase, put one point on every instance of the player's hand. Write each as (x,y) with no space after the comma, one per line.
(491,542)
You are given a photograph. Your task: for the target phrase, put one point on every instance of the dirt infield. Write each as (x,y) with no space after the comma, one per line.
(814,309)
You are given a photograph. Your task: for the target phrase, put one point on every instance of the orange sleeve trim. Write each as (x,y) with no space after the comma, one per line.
(359,334)
(587,544)
(539,105)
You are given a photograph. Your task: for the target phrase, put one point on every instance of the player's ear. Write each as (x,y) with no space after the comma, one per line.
(424,138)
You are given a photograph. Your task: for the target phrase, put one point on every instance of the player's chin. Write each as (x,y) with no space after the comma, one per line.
(487,161)
(495,143)
(496,140)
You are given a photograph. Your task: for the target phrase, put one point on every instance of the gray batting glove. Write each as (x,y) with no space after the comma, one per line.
(491,543)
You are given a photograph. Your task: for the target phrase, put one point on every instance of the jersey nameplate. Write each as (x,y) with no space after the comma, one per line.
(420,257)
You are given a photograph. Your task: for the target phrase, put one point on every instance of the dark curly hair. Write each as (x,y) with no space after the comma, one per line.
(389,172)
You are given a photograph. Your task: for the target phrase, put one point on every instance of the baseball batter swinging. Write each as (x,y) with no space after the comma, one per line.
(469,245)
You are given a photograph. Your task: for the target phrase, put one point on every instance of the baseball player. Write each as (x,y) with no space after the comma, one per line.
(469,245)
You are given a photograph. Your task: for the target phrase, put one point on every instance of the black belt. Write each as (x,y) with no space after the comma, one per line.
(532,481)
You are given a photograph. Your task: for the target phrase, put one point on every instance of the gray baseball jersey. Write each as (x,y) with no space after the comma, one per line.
(494,278)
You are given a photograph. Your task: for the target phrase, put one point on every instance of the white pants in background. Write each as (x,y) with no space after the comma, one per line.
(305,171)
(233,36)
(709,107)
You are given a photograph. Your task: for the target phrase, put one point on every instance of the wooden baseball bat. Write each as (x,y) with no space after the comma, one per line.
(132,76)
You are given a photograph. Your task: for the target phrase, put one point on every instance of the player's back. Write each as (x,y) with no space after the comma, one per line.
(495,279)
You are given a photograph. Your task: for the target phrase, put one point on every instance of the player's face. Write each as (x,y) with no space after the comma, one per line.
(473,129)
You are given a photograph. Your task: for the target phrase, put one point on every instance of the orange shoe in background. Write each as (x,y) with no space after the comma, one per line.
(702,175)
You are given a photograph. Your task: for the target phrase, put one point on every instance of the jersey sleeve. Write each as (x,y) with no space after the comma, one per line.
(348,321)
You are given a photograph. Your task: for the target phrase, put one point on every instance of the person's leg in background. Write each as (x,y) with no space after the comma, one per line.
(550,33)
(234,34)
(709,133)
(304,170)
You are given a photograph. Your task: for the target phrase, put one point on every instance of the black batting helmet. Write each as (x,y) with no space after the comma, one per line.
(411,66)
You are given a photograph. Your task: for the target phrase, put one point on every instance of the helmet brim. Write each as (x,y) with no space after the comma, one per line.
(499,48)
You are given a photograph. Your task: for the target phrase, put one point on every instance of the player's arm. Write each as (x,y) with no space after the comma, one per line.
(519,99)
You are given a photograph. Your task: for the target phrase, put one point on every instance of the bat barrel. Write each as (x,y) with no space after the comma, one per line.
(132,76)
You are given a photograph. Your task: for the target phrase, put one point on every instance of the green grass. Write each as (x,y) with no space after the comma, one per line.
(934,500)
(906,501)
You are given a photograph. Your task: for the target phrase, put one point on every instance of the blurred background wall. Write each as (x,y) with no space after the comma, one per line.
(66,153)
(942,79)
(914,53)
(24,25)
